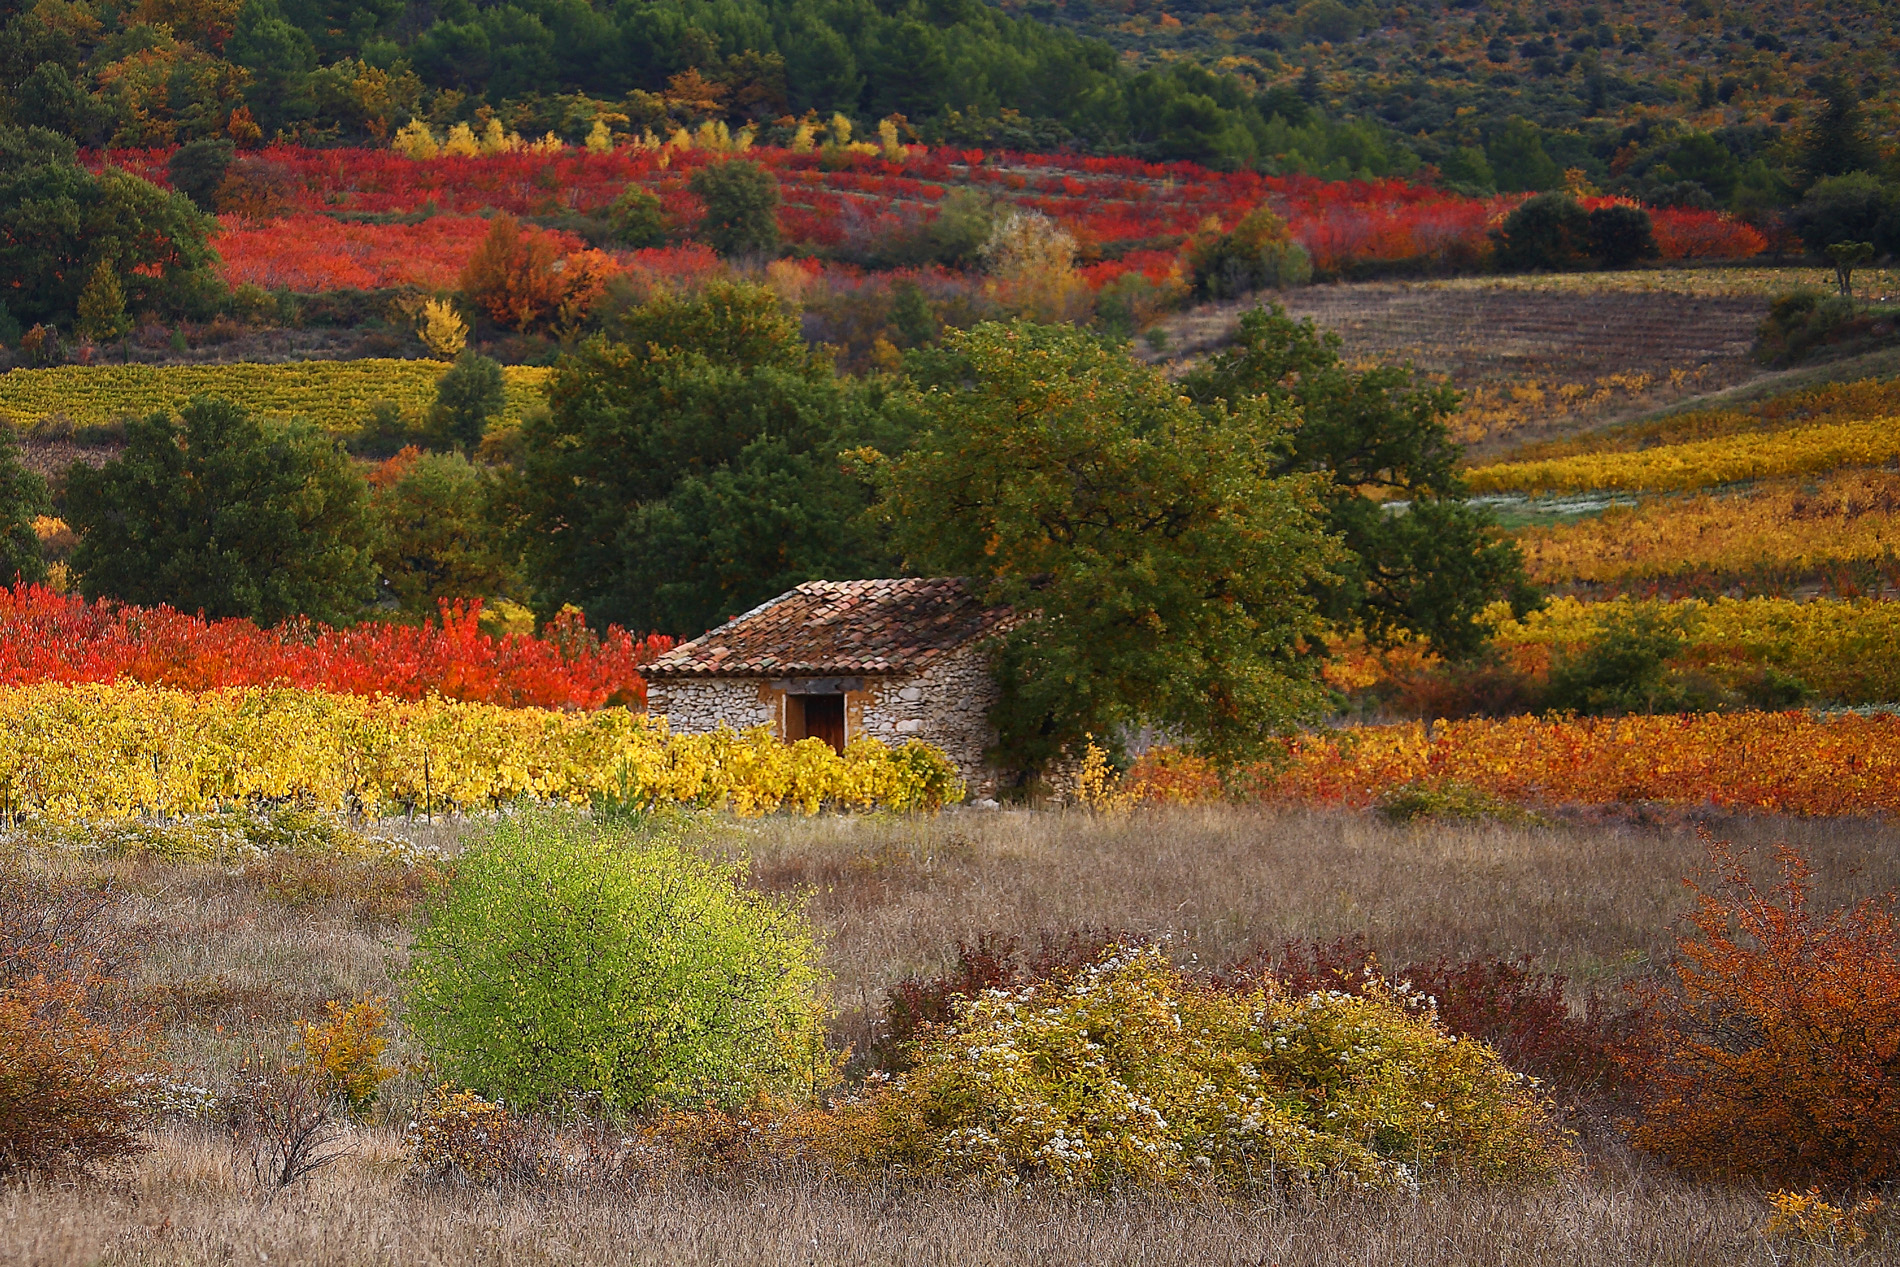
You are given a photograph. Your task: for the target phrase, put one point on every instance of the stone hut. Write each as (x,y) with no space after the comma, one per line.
(892,659)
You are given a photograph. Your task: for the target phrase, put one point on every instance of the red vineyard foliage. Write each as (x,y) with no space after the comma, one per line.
(1119,209)
(48,637)
(310,252)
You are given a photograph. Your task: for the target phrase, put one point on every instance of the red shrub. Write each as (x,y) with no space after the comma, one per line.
(1523,1014)
(1775,1053)
(994,962)
(513,276)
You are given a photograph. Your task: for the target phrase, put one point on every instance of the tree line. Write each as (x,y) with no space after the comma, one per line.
(1188,546)
(322,71)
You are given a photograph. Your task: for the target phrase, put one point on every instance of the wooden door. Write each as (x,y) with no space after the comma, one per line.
(824,719)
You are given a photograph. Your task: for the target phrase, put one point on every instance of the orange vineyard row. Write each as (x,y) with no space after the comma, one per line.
(1796,763)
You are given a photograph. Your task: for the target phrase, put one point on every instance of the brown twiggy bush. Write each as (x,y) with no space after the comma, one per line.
(1775,1052)
(461,1137)
(67,1082)
(69,1067)
(281,1124)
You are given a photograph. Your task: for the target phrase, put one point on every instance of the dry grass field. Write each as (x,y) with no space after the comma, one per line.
(234,956)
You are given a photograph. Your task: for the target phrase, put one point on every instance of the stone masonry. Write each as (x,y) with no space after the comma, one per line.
(905,655)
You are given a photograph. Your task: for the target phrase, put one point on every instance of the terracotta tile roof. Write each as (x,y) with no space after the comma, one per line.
(830,628)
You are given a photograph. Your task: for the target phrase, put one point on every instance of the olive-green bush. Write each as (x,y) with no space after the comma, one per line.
(577,956)
(1132,1073)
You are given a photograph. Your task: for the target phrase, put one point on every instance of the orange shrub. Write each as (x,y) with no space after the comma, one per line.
(344,1050)
(523,280)
(1776,1051)
(67,1071)
(66,1080)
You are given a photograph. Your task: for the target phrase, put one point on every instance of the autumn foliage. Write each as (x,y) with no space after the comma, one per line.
(1127,215)
(1775,1053)
(69,1067)
(524,280)
(48,637)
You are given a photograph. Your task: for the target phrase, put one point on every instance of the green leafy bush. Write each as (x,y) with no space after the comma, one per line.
(1806,322)
(1625,669)
(570,956)
(1548,233)
(1258,254)
(639,220)
(1127,1072)
(1449,799)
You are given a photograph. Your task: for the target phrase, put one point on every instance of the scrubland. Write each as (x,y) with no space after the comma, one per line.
(233,956)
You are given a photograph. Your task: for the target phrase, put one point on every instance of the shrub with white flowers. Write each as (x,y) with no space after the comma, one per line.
(1130,1072)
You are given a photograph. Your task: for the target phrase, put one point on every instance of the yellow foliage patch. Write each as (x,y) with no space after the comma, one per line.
(123,750)
(335,395)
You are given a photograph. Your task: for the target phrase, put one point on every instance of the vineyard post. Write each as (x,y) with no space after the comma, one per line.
(427,795)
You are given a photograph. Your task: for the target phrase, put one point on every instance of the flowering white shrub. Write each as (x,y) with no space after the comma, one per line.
(1130,1072)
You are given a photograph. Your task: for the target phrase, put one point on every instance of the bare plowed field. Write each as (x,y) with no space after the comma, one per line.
(1535,357)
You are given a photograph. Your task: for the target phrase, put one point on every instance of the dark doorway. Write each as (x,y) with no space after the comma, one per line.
(817,717)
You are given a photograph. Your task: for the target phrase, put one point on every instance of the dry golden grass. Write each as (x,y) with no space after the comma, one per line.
(185,1203)
(236,965)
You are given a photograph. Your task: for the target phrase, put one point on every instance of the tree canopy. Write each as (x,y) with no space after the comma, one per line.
(217,512)
(22,500)
(691,466)
(1421,560)
(59,223)
(1161,559)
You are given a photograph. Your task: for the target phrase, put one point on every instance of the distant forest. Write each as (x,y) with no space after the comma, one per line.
(1678,103)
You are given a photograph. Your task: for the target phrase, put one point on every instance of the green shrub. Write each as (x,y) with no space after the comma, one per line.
(1805,322)
(1412,801)
(1620,235)
(1625,668)
(639,219)
(1258,254)
(571,956)
(1548,233)
(468,394)
(1129,1073)
(741,200)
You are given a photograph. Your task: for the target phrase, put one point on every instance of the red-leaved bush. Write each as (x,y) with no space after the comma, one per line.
(525,281)
(994,961)
(1523,1014)
(1775,1052)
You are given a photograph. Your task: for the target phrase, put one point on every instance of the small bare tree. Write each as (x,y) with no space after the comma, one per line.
(283,1125)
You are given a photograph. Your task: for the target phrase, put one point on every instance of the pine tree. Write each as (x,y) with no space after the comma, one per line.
(1836,141)
(102,305)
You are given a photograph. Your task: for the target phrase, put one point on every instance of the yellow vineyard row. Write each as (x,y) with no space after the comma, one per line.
(335,395)
(121,750)
(1703,463)
(1848,517)
(1844,651)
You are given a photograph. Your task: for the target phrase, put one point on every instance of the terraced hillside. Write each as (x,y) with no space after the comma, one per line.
(1539,357)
